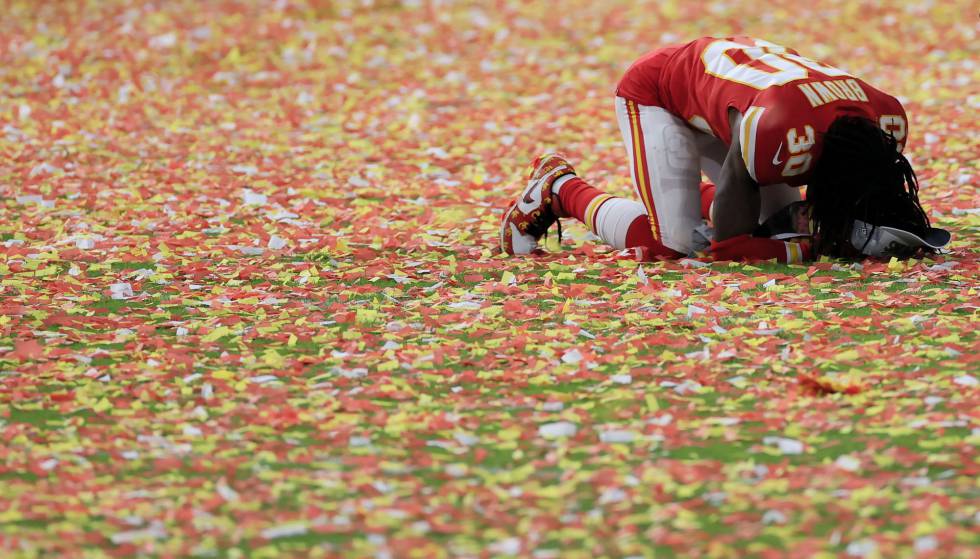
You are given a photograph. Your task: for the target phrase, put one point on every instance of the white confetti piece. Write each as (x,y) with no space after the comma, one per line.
(437,152)
(40,169)
(358,372)
(400,280)
(943,266)
(121,290)
(285,530)
(773,517)
(612,495)
(253,198)
(509,546)
(617,436)
(848,463)
(249,170)
(226,492)
(925,544)
(862,548)
(966,380)
(248,251)
(571,356)
(154,532)
(165,41)
(642,275)
(282,215)
(466,439)
(359,441)
(686,387)
(557,429)
(785,445)
(35,199)
(456,470)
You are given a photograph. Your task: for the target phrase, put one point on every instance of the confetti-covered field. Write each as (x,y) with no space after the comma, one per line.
(251,307)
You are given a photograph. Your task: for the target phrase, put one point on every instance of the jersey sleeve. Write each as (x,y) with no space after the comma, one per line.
(749,139)
(775,151)
(778,143)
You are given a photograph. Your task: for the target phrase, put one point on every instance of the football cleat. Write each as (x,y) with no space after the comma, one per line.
(536,209)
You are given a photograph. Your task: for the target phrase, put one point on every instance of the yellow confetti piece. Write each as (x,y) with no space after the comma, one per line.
(652,403)
(272,358)
(216,334)
(366,316)
(102,405)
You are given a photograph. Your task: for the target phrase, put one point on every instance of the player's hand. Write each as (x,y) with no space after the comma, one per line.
(747,247)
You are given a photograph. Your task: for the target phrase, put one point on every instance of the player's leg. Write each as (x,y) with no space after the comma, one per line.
(666,170)
(619,222)
(553,191)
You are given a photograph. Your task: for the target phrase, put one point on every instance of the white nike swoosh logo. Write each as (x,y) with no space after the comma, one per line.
(534,194)
(528,206)
(775,159)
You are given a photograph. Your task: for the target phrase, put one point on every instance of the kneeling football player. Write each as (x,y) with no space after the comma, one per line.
(760,121)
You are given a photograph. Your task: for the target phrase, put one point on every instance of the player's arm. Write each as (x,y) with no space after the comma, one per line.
(735,213)
(737,200)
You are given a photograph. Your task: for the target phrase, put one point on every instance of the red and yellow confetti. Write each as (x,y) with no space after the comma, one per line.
(250,304)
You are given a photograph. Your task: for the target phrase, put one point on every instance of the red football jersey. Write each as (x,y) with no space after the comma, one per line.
(787,101)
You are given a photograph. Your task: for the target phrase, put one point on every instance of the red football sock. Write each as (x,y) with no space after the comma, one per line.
(574,200)
(574,197)
(640,235)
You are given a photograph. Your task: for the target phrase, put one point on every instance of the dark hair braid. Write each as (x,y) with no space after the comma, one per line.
(862,175)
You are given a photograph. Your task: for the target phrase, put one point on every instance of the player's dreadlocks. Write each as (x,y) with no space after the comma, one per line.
(862,175)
